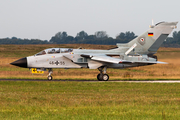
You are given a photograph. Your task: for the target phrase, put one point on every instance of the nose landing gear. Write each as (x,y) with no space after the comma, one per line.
(102,76)
(49,76)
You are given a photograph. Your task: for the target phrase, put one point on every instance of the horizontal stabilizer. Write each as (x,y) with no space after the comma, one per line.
(145,62)
(153,62)
(158,62)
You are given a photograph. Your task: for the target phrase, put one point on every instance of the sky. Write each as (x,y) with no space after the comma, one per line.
(42,19)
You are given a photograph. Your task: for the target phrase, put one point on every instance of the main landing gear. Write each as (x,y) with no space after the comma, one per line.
(102,76)
(49,76)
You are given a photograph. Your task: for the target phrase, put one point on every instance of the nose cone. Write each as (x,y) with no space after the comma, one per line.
(21,62)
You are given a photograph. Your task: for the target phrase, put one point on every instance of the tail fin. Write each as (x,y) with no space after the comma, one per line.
(151,40)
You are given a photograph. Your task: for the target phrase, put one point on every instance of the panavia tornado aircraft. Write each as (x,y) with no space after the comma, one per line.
(138,52)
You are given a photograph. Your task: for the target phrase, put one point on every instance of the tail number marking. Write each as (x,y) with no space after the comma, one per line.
(57,63)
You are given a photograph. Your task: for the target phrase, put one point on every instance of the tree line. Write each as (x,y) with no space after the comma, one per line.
(20,41)
(173,41)
(99,37)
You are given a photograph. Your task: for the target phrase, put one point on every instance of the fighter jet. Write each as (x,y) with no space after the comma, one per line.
(138,52)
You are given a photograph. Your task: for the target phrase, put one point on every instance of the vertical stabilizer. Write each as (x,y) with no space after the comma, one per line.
(151,40)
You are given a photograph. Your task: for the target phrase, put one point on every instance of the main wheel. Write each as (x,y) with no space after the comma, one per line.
(98,77)
(49,78)
(105,77)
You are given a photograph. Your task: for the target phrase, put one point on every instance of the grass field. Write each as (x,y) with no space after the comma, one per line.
(10,53)
(90,101)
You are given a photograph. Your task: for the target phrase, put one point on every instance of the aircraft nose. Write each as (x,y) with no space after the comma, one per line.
(21,62)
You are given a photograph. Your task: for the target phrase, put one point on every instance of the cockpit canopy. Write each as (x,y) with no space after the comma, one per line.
(54,51)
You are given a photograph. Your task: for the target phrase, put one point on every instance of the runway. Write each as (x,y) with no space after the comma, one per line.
(131,81)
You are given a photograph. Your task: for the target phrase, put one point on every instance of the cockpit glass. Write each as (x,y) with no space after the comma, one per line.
(66,50)
(54,51)
(41,53)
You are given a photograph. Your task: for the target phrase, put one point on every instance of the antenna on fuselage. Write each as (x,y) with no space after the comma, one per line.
(152,22)
(152,26)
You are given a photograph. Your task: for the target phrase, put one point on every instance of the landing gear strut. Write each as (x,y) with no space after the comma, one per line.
(102,76)
(49,76)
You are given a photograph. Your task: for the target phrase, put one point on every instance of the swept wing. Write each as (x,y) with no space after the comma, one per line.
(108,59)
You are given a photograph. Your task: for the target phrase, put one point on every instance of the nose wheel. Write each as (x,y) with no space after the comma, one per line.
(102,76)
(49,78)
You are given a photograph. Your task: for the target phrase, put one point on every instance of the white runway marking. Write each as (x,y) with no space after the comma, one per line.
(169,81)
(143,81)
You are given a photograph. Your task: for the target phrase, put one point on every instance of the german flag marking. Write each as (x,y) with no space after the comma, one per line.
(150,34)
